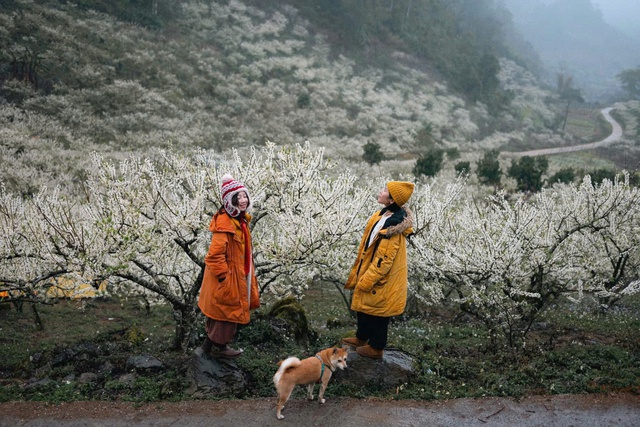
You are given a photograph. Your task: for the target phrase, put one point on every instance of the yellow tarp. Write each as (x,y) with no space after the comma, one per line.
(68,288)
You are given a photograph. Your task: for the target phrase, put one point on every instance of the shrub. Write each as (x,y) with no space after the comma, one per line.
(564,175)
(372,153)
(528,171)
(453,153)
(599,175)
(462,168)
(304,100)
(489,172)
(430,163)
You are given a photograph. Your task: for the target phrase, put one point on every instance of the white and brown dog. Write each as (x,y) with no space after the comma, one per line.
(312,370)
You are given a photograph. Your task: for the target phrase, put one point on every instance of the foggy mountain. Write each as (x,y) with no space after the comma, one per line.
(572,37)
(622,14)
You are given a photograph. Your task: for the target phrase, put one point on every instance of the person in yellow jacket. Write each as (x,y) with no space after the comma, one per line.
(229,285)
(379,274)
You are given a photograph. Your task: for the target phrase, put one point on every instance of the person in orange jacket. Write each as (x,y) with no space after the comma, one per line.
(378,277)
(229,287)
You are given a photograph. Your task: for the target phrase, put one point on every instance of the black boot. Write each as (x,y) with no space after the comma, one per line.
(207,345)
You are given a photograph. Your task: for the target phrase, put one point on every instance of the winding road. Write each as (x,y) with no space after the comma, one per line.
(616,134)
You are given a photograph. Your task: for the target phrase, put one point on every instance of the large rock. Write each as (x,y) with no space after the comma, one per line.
(215,377)
(394,369)
(144,363)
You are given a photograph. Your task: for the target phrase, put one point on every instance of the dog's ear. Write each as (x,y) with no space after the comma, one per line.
(335,350)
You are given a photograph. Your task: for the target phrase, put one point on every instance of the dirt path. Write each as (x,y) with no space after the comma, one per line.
(620,410)
(616,134)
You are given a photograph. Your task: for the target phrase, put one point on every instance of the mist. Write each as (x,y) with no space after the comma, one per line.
(591,40)
(622,14)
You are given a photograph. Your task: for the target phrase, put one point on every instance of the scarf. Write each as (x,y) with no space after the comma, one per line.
(247,244)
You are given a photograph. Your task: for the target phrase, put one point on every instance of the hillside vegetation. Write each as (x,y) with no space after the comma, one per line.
(229,74)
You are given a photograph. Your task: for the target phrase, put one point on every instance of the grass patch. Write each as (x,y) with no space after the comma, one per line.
(571,350)
(587,124)
(580,161)
(69,321)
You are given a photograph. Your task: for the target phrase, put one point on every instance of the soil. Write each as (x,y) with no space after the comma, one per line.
(620,410)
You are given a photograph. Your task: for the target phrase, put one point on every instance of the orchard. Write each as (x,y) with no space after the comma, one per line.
(141,226)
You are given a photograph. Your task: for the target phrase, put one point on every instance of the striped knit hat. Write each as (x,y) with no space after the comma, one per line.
(230,187)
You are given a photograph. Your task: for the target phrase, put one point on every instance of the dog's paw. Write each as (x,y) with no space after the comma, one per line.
(280,416)
(322,401)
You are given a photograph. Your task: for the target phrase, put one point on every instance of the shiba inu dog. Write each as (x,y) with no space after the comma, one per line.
(309,371)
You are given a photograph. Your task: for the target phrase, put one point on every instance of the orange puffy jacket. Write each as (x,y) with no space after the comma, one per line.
(225,294)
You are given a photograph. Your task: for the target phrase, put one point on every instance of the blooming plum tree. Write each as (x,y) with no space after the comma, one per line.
(506,262)
(144,225)
(40,241)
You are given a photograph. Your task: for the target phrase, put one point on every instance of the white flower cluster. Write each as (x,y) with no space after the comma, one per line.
(505,262)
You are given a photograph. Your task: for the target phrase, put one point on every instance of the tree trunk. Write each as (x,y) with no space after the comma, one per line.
(345,298)
(36,317)
(566,115)
(185,320)
(185,315)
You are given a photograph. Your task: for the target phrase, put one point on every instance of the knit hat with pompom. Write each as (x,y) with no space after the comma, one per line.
(230,187)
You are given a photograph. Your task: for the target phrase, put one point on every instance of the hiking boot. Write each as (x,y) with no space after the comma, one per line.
(368,351)
(354,342)
(225,351)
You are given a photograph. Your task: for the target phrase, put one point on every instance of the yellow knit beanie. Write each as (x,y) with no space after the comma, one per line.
(400,191)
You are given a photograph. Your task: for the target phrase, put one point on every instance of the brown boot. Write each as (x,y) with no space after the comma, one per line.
(225,351)
(368,351)
(354,342)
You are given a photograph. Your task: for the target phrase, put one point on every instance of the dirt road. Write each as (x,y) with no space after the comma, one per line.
(616,134)
(620,410)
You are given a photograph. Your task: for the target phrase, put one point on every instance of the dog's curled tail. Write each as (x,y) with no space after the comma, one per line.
(290,362)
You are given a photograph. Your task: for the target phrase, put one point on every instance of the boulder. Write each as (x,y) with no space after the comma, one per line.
(36,384)
(215,377)
(88,377)
(394,369)
(144,363)
(126,379)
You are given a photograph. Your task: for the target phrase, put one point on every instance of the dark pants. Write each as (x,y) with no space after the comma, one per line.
(373,329)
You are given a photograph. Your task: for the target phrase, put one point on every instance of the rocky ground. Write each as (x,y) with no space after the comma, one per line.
(213,377)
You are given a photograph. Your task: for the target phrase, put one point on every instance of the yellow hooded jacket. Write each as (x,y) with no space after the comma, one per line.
(379,275)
